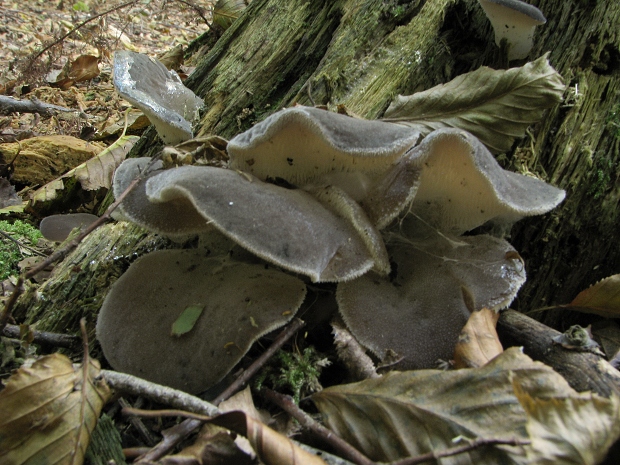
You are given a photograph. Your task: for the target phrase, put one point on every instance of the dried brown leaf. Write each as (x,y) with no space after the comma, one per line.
(271,447)
(602,298)
(91,175)
(411,413)
(570,430)
(47,417)
(478,342)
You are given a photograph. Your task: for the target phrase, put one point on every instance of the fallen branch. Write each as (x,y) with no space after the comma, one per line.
(10,105)
(65,341)
(156,392)
(584,371)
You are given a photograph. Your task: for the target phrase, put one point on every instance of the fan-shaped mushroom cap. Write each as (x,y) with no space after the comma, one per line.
(462,186)
(58,227)
(436,280)
(290,228)
(239,302)
(304,144)
(515,21)
(159,93)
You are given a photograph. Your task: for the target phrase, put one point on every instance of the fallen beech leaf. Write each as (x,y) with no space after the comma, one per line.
(496,106)
(96,173)
(602,298)
(405,414)
(41,159)
(46,416)
(214,445)
(478,342)
(83,68)
(577,429)
(271,447)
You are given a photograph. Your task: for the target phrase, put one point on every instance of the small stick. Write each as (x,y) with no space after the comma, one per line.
(156,392)
(476,443)
(66,341)
(142,430)
(83,23)
(344,448)
(242,380)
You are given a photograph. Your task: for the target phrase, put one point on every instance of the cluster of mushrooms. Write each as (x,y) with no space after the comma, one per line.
(307,195)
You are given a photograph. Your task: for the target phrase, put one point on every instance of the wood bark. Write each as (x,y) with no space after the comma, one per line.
(362,53)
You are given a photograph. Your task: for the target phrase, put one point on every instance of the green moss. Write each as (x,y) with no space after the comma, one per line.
(604,169)
(10,253)
(613,121)
(295,372)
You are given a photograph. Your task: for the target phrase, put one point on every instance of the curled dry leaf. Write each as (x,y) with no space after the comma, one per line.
(271,447)
(49,412)
(478,342)
(602,298)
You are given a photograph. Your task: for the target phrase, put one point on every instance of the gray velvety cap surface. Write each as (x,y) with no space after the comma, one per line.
(462,186)
(287,227)
(241,303)
(301,143)
(148,85)
(58,227)
(420,311)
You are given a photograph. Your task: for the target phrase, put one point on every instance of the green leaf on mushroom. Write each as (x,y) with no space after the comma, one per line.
(242,302)
(496,106)
(148,85)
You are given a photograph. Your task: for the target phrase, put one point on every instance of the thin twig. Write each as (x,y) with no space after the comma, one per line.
(66,341)
(198,10)
(156,392)
(475,444)
(277,344)
(177,433)
(340,445)
(142,430)
(83,23)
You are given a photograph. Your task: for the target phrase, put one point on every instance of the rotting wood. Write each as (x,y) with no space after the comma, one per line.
(584,371)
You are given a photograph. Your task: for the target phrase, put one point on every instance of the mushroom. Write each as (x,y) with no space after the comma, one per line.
(462,186)
(58,227)
(159,93)
(514,21)
(290,228)
(181,319)
(437,280)
(305,145)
